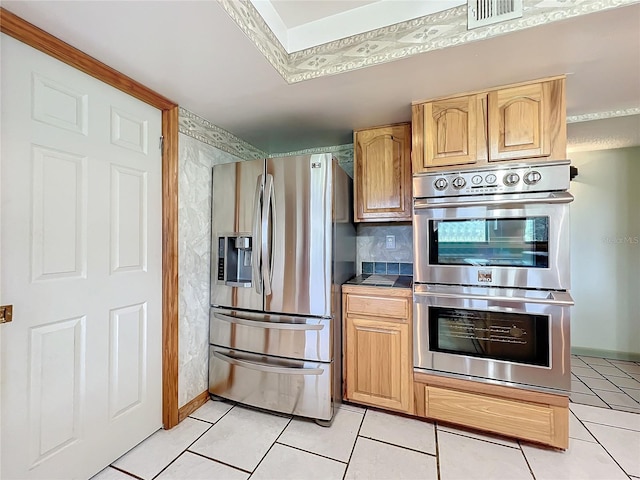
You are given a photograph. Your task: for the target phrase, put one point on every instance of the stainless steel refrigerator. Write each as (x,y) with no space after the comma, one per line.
(283,242)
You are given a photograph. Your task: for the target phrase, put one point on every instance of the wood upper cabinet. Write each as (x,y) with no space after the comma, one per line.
(382,173)
(520,123)
(377,348)
(454,131)
(517,122)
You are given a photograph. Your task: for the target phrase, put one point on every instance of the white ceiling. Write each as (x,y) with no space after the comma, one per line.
(300,24)
(294,13)
(194,53)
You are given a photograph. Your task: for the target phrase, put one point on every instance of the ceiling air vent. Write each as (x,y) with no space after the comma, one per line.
(487,12)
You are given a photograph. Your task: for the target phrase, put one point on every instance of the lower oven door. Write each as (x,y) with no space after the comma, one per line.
(507,335)
(278,384)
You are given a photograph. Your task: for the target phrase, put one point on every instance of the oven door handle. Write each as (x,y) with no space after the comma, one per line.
(551,198)
(553,298)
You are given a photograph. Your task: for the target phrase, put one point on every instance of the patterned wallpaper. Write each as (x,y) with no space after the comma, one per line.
(431,32)
(195,162)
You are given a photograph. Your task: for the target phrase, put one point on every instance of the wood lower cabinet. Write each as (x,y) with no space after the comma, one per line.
(377,347)
(382,173)
(378,371)
(535,416)
(520,122)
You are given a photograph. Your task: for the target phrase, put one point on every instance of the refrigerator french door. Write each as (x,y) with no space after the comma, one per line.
(282,244)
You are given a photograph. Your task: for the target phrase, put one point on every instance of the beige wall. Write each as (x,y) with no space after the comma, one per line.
(605,250)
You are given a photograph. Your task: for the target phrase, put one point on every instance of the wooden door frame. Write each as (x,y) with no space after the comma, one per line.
(37,38)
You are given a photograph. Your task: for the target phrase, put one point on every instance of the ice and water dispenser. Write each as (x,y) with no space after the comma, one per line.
(234,260)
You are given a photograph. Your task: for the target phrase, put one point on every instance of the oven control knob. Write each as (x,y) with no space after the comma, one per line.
(458,183)
(511,179)
(476,180)
(440,183)
(533,177)
(491,179)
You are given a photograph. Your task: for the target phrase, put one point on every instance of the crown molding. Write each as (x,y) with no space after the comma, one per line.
(587,117)
(401,40)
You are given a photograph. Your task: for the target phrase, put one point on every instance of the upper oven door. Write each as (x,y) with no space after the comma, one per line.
(512,240)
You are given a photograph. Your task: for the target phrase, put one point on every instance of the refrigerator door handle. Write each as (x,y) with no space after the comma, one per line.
(267,211)
(272,325)
(262,367)
(257,237)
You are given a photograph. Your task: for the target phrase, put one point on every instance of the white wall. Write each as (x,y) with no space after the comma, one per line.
(194,246)
(605,251)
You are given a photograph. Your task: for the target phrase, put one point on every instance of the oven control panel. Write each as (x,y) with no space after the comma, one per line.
(514,178)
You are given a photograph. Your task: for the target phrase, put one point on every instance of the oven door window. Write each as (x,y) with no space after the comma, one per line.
(512,337)
(496,242)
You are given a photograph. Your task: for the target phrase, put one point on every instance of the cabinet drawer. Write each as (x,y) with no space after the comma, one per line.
(378,306)
(284,385)
(536,422)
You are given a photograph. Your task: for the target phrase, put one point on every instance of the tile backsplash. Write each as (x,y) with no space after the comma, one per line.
(371,247)
(387,268)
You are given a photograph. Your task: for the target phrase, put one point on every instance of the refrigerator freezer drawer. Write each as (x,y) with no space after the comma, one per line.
(281,385)
(293,337)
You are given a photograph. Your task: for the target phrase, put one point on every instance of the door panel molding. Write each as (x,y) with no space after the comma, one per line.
(37,38)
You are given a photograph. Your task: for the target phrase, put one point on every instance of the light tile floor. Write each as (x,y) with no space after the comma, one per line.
(602,382)
(222,440)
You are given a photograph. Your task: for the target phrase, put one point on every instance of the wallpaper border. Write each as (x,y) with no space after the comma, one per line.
(587,117)
(201,129)
(401,40)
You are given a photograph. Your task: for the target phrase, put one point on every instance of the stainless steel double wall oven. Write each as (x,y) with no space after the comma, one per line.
(491,273)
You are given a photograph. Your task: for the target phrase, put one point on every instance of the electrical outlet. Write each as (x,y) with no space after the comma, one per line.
(391,242)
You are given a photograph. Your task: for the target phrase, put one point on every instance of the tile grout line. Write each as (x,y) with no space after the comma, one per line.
(606,425)
(312,453)
(598,442)
(270,448)
(526,460)
(125,472)
(608,453)
(188,446)
(397,446)
(182,452)
(605,378)
(212,424)
(482,432)
(344,475)
(217,461)
(435,433)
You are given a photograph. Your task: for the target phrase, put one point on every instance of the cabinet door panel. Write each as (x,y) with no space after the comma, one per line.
(546,424)
(518,126)
(454,131)
(377,358)
(383,173)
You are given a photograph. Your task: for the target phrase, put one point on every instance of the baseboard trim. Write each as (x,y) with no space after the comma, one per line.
(193,405)
(612,354)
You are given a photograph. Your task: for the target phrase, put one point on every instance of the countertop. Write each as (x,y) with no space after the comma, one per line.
(376,280)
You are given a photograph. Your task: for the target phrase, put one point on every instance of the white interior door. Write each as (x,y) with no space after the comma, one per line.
(80,177)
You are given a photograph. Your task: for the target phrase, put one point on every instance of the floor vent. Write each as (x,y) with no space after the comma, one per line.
(487,12)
